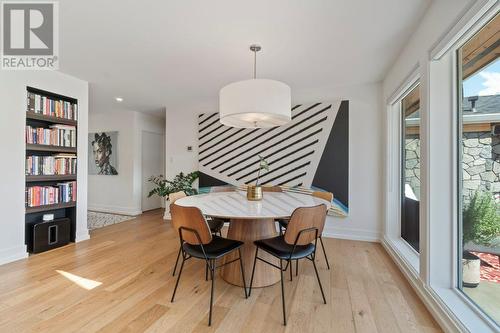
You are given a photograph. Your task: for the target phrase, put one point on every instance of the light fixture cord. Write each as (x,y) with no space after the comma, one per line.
(255,64)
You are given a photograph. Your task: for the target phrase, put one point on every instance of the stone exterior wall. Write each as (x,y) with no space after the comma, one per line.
(481,167)
(481,163)
(412,163)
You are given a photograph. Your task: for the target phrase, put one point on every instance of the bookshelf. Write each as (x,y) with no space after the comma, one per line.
(51,155)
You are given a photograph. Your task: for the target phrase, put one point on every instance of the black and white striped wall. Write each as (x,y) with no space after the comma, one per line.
(310,151)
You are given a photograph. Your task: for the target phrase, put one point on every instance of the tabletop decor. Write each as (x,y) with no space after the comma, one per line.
(164,187)
(254,192)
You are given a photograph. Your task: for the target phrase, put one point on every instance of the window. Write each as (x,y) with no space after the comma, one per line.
(410,167)
(479,168)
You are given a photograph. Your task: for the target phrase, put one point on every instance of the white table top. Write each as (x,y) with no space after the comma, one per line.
(235,204)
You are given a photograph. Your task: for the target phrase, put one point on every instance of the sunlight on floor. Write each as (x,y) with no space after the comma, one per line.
(81,282)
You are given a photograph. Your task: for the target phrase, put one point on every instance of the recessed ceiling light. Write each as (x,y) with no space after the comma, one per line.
(119,99)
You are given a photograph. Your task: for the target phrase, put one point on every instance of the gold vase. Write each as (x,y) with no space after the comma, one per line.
(254,193)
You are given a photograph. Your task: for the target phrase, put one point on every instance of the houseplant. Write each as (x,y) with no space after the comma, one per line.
(164,187)
(254,192)
(481,226)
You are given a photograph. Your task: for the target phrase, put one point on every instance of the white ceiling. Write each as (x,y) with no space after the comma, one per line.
(178,54)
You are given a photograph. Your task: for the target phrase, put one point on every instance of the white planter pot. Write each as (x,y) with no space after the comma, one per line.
(471,272)
(166,215)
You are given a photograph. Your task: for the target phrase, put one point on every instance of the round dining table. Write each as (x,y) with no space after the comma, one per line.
(250,221)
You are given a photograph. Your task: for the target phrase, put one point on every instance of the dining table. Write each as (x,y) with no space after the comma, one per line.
(250,221)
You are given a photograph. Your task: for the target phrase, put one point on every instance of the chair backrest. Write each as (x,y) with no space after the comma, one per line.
(304,218)
(214,189)
(173,197)
(328,196)
(266,188)
(190,218)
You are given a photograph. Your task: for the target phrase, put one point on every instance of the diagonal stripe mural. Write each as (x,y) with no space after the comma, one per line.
(295,152)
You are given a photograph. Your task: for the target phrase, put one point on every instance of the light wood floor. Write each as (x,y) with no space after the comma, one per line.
(129,284)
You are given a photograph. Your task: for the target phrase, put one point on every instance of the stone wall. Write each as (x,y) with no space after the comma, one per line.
(481,163)
(412,163)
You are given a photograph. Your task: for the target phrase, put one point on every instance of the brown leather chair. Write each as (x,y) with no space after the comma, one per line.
(298,242)
(197,241)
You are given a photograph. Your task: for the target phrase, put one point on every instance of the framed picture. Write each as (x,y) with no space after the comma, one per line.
(103,153)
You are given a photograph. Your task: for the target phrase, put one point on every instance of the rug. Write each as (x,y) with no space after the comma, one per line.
(97,220)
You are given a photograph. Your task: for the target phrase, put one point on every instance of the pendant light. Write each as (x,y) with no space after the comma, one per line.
(255,103)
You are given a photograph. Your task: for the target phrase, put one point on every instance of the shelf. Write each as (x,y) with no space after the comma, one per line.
(38,209)
(49,148)
(50,119)
(48,178)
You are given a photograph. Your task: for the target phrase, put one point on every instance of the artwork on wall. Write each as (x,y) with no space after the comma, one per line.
(309,153)
(103,157)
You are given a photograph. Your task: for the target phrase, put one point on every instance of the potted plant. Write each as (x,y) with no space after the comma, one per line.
(254,192)
(164,187)
(481,226)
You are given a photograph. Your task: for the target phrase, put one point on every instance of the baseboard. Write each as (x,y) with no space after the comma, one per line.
(13,254)
(351,234)
(115,209)
(445,318)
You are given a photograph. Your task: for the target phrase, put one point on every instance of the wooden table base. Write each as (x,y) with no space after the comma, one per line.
(248,231)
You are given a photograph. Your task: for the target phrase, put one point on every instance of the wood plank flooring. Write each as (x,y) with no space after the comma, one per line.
(120,281)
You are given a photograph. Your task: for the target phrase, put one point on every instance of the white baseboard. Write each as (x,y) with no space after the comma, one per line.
(13,254)
(115,209)
(438,309)
(351,234)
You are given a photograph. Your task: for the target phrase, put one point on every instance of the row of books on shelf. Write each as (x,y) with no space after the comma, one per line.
(61,164)
(50,195)
(49,107)
(56,135)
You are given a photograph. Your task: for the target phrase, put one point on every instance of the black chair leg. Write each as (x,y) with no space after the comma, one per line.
(319,281)
(291,271)
(253,271)
(206,272)
(243,274)
(212,268)
(177,261)
(282,292)
(324,252)
(178,278)
(297,267)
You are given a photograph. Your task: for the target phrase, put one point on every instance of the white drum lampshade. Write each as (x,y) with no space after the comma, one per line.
(257,103)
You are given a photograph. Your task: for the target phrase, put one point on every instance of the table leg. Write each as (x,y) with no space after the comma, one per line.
(248,231)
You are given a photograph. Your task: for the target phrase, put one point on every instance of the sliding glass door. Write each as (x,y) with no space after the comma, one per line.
(410,168)
(479,168)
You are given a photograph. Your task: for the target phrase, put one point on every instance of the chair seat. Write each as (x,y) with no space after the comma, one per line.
(281,249)
(218,247)
(215,224)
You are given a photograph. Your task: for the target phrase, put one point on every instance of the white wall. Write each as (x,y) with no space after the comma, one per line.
(12,146)
(365,154)
(122,193)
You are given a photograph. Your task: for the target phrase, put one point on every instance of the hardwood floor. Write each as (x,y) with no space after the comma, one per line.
(121,280)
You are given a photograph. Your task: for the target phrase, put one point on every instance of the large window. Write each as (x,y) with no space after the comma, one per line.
(479,168)
(410,167)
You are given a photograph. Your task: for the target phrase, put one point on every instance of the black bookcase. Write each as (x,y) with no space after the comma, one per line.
(62,210)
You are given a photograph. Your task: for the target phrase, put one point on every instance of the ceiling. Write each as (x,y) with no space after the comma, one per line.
(178,54)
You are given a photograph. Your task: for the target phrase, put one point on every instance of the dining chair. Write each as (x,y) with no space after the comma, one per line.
(328,196)
(267,188)
(197,241)
(215,226)
(298,242)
